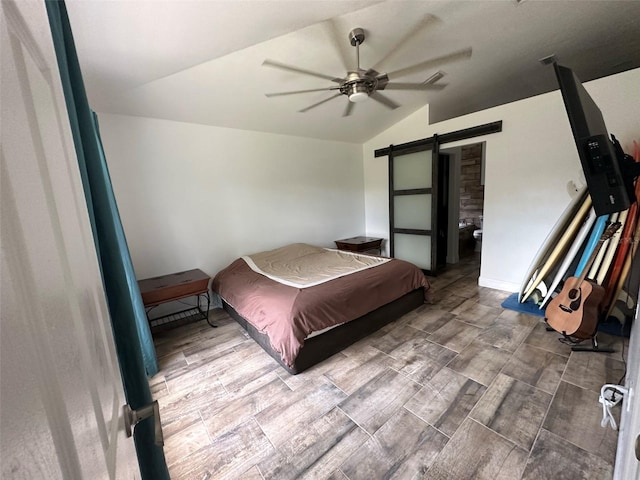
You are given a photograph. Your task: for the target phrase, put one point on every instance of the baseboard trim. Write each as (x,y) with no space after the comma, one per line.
(498,284)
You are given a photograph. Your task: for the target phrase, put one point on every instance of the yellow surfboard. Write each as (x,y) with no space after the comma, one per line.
(561,246)
(552,238)
(571,254)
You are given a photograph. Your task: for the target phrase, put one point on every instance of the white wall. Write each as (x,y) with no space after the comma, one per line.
(194,196)
(528,166)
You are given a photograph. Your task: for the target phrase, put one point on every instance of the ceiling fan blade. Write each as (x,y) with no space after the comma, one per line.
(339,43)
(414,86)
(418,67)
(320,102)
(386,101)
(348,109)
(435,77)
(280,94)
(426,21)
(289,68)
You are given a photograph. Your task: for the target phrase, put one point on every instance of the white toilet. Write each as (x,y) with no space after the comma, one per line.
(477,234)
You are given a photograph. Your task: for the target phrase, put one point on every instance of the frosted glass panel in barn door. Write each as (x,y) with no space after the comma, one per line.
(412,211)
(411,207)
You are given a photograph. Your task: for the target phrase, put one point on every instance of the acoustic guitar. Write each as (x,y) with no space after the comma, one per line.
(574,311)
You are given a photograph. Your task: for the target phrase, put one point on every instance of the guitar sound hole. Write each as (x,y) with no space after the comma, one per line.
(573,293)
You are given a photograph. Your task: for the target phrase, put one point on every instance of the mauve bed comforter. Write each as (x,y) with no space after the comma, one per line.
(288,314)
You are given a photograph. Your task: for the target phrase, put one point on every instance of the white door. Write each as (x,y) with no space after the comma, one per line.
(61,391)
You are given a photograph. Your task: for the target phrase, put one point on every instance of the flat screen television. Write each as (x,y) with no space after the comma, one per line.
(608,171)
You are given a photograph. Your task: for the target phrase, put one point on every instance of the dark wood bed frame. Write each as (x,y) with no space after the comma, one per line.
(321,347)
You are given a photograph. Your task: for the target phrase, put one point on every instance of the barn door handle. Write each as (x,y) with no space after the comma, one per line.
(132,417)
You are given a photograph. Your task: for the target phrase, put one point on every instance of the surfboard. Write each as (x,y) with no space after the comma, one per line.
(626,269)
(595,266)
(620,256)
(554,234)
(571,254)
(560,247)
(612,246)
(623,247)
(591,244)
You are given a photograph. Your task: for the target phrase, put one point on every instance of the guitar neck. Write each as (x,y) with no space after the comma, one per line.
(611,229)
(587,266)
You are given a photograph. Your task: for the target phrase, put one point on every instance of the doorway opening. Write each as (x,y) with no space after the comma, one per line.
(430,219)
(466,202)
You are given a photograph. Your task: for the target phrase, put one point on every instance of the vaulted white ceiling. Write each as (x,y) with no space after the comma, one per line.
(201,61)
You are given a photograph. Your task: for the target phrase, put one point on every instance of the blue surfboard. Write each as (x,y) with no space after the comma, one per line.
(596,233)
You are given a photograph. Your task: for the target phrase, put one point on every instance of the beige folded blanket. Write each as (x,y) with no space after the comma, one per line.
(300,265)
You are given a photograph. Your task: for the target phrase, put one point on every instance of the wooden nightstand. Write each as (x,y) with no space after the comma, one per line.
(172,287)
(361,245)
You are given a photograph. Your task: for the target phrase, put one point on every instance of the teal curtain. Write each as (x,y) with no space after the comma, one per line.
(134,344)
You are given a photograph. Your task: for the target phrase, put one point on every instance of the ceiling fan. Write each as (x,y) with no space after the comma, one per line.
(360,84)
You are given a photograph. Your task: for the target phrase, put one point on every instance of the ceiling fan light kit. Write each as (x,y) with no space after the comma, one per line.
(358,93)
(359,84)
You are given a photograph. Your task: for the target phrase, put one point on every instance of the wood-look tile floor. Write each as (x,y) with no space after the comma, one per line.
(459,389)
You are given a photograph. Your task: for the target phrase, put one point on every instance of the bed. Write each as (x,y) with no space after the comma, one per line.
(302,304)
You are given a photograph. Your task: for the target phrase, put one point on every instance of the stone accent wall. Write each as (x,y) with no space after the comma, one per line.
(471,192)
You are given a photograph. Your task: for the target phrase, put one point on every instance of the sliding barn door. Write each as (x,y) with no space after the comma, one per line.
(418,195)
(413,207)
